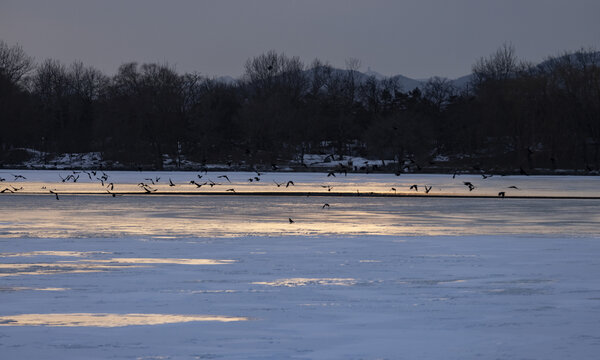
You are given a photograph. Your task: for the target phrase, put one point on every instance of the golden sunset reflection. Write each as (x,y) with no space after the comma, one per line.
(175,217)
(107,320)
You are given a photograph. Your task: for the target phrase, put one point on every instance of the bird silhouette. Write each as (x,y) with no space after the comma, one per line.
(16,189)
(111,186)
(256,178)
(415,186)
(394,190)
(224,177)
(113,194)
(278,184)
(469,185)
(232,190)
(328,187)
(325,206)
(55,194)
(274,167)
(171,182)
(19,177)
(195,183)
(501,194)
(427,189)
(2,179)
(150,179)
(331,173)
(484,176)
(7,189)
(250,179)
(513,187)
(291,221)
(289,183)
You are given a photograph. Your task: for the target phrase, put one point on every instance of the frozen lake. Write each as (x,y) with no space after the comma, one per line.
(209,277)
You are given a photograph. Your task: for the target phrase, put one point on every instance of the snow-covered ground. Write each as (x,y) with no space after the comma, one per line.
(229,277)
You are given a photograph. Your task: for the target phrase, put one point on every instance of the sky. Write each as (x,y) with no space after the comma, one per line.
(415,38)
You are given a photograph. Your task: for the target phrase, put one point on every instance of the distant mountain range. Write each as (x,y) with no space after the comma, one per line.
(406,83)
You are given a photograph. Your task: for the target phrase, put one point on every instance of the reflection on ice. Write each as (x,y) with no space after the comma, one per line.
(174,217)
(53,253)
(293,282)
(81,266)
(165,261)
(22,288)
(107,320)
(53,268)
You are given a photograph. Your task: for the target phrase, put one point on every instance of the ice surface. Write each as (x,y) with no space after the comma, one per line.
(137,277)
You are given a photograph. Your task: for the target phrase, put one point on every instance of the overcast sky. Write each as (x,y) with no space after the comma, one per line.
(416,38)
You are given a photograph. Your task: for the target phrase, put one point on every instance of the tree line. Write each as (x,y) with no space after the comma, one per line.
(512,115)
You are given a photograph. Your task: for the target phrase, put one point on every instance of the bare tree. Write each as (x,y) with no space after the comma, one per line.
(14,62)
(501,65)
(438,91)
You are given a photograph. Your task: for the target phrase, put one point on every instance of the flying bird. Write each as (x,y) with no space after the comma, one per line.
(171,182)
(501,194)
(19,177)
(328,187)
(7,189)
(224,177)
(289,183)
(469,185)
(291,221)
(415,186)
(55,194)
(427,189)
(394,190)
(232,190)
(513,187)
(195,183)
(331,173)
(325,206)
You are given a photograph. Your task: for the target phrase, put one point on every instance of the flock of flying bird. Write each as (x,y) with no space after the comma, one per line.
(147,185)
(148,189)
